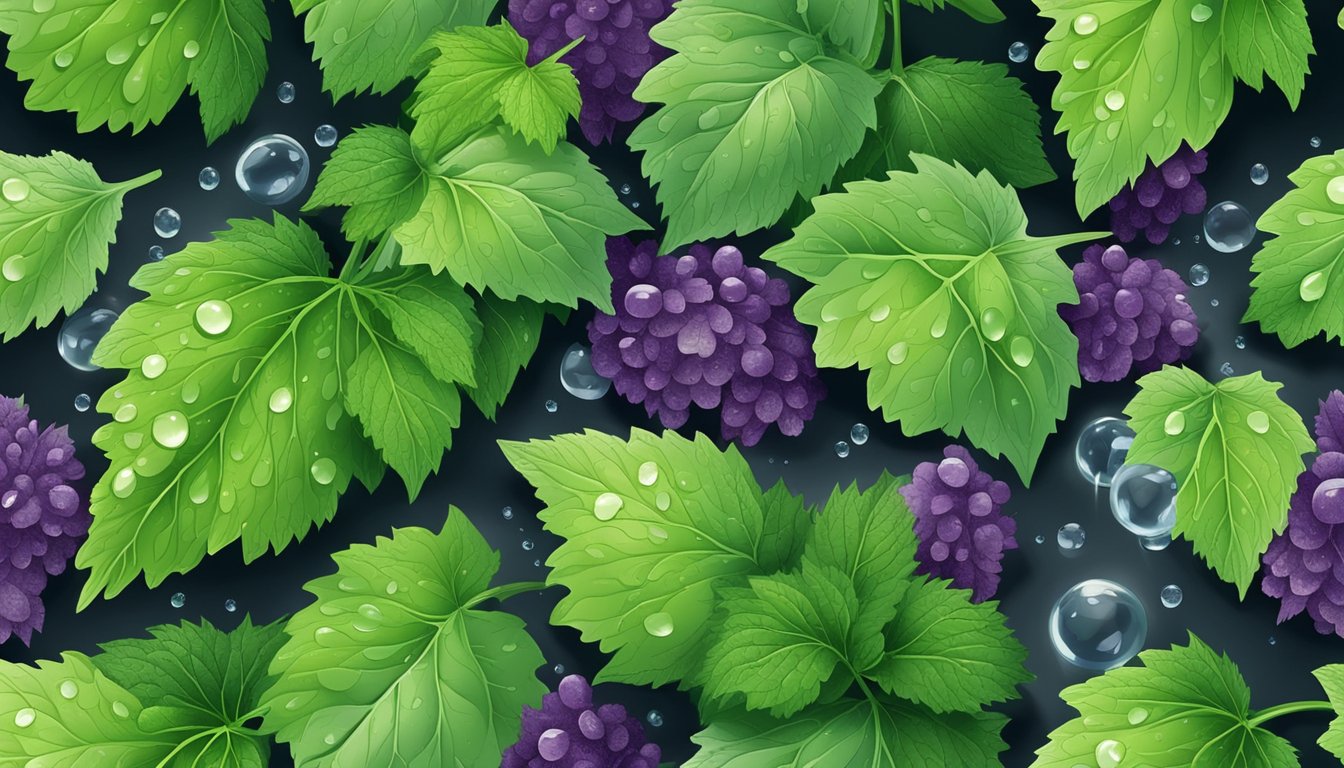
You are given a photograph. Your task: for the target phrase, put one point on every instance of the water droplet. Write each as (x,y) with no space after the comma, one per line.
(1137,715)
(924,214)
(285,92)
(281,399)
(230,605)
(1226,369)
(25,717)
(1081,64)
(993,324)
(1085,24)
(14,268)
(939,326)
(1018,52)
(607,505)
(1258,421)
(120,709)
(1315,142)
(1172,596)
(648,473)
(125,413)
(69,689)
(879,313)
(528,545)
(578,377)
(1109,753)
(156,253)
(272,170)
(1071,537)
(214,317)
(178,600)
(167,223)
(63,59)
(552,406)
(1040,539)
(1101,449)
(1213,302)
(80,334)
(1143,500)
(1259,174)
(208,178)
(655,718)
(1334,189)
(323,471)
(842,449)
(1199,14)
(507,512)
(153,366)
(1273,640)
(1199,275)
(1174,423)
(1312,287)
(1229,227)
(663,500)
(558,669)
(82,402)
(325,135)
(625,189)
(858,434)
(15,190)
(43,6)
(170,429)
(1239,342)
(1098,624)
(1115,101)
(897,353)
(1022,351)
(123,483)
(659,624)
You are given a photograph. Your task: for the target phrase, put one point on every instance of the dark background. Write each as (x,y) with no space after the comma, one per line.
(1276,660)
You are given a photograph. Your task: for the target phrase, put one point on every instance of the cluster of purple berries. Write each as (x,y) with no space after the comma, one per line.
(568,732)
(615,53)
(1131,315)
(1304,566)
(705,329)
(1159,196)
(43,519)
(958,519)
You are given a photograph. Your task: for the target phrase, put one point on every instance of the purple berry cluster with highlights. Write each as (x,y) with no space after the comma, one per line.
(1131,315)
(1159,196)
(962,532)
(615,53)
(568,732)
(705,329)
(43,519)
(1304,566)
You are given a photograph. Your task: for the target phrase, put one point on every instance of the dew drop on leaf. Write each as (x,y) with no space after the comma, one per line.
(659,624)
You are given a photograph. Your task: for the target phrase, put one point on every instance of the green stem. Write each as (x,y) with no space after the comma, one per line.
(140,181)
(1266,715)
(353,260)
(897,65)
(505,591)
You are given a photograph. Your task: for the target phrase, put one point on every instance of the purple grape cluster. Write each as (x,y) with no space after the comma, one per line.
(43,519)
(705,329)
(615,53)
(962,532)
(1304,566)
(1131,315)
(568,732)
(1159,196)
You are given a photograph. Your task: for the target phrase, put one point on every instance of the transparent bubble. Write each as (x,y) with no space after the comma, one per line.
(1199,275)
(1143,500)
(285,92)
(178,600)
(230,605)
(1315,142)
(1259,174)
(528,545)
(1172,596)
(507,513)
(1071,537)
(1239,342)
(273,169)
(1229,227)
(859,433)
(1226,369)
(208,178)
(577,375)
(80,335)
(1098,625)
(655,718)
(1040,539)
(1018,52)
(842,449)
(82,402)
(325,135)
(167,223)
(156,253)
(1102,448)
(552,406)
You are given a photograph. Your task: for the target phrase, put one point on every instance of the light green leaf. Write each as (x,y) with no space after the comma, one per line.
(767,114)
(1235,449)
(984,11)
(373,44)
(651,528)
(56,223)
(481,73)
(948,653)
(375,173)
(394,665)
(849,23)
(1331,678)
(930,281)
(883,733)
(510,333)
(1137,77)
(1268,37)
(1184,708)
(1298,290)
(503,215)
(127,62)
(963,111)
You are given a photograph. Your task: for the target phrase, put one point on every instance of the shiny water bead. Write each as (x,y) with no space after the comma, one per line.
(655,718)
(80,334)
(1226,369)
(1143,500)
(1098,625)
(1259,174)
(552,406)
(858,434)
(1200,13)
(208,178)
(1315,142)
(842,449)
(82,402)
(156,253)
(178,600)
(285,92)
(230,605)
(1239,342)
(167,223)
(1071,537)
(528,545)
(1172,596)
(1018,52)
(578,377)
(272,170)
(1040,538)
(1101,449)
(507,513)
(325,135)
(1199,275)
(1229,227)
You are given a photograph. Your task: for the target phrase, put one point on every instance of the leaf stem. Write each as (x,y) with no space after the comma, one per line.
(355,258)
(140,181)
(505,591)
(897,65)
(1265,715)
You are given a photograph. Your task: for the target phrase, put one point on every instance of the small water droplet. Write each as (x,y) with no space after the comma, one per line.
(80,334)
(993,324)
(1018,52)
(1071,537)
(285,92)
(659,624)
(648,473)
(1172,596)
(924,214)
(230,605)
(15,190)
(14,268)
(897,352)
(214,317)
(123,483)
(842,449)
(272,170)
(324,471)
(167,223)
(153,366)
(1259,174)
(1199,14)
(1258,421)
(25,717)
(1315,142)
(655,718)
(170,429)
(859,433)
(208,178)
(1312,287)
(325,135)
(528,545)
(1226,369)
(69,689)
(1115,101)
(607,505)
(1239,342)
(156,253)
(1273,640)
(120,709)
(1085,24)
(1213,302)
(1199,275)
(82,402)
(1022,351)
(1175,423)
(1040,538)
(507,512)
(552,406)
(1229,227)
(178,600)
(578,377)
(281,400)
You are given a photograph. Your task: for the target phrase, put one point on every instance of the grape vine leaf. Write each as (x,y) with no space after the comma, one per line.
(869,535)
(480,73)
(1184,707)
(1331,678)
(1269,37)
(984,11)
(511,331)
(376,174)
(884,732)
(179,698)
(375,44)
(1235,449)
(651,528)
(930,281)
(852,24)
(395,664)
(950,654)
(56,223)
(127,62)
(245,364)
(1296,292)
(769,113)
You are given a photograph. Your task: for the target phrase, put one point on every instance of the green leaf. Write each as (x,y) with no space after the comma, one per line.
(852,24)
(373,44)
(503,215)
(56,223)
(1331,678)
(481,73)
(394,665)
(1296,293)
(651,528)
(1269,37)
(1235,449)
(948,653)
(1163,71)
(963,111)
(127,62)
(930,280)
(375,173)
(984,11)
(767,114)
(1185,708)
(884,733)
(780,639)
(511,331)
(232,423)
